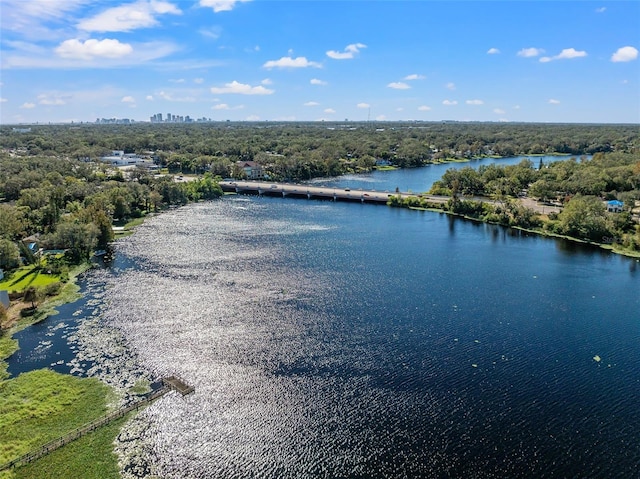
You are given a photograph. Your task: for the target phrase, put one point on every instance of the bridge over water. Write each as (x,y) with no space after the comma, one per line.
(319,192)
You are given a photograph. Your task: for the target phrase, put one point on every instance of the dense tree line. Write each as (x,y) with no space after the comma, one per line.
(304,150)
(72,205)
(581,186)
(52,184)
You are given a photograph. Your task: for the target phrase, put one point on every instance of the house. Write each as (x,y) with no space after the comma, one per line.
(614,206)
(252,170)
(383,162)
(31,243)
(4,299)
(120,158)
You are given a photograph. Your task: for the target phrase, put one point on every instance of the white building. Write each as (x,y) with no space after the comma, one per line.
(120,158)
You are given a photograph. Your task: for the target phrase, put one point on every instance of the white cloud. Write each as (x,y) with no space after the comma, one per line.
(3,100)
(221,5)
(530,52)
(414,76)
(349,52)
(220,106)
(177,80)
(266,81)
(28,105)
(37,19)
(52,100)
(516,107)
(399,109)
(449,102)
(89,54)
(329,110)
(149,97)
(124,18)
(601,9)
(170,97)
(253,118)
(363,105)
(198,81)
(381,118)
(474,102)
(311,103)
(493,51)
(625,54)
(242,89)
(289,62)
(424,108)
(553,101)
(211,32)
(315,81)
(565,54)
(398,85)
(128,99)
(450,86)
(499,111)
(90,49)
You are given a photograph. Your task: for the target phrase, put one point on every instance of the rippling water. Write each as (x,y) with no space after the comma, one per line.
(345,340)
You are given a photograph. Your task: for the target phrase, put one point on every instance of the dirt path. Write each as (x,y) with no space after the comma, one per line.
(538,207)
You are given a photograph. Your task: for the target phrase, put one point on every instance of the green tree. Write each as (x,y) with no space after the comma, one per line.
(9,254)
(11,226)
(584,217)
(80,240)
(31,296)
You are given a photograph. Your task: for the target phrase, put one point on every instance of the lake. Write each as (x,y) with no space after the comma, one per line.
(352,340)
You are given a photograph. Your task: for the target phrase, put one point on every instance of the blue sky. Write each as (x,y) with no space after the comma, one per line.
(298,60)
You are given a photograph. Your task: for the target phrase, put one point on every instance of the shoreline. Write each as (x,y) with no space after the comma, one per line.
(539,232)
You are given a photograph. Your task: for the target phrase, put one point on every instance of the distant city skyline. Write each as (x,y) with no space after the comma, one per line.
(265,60)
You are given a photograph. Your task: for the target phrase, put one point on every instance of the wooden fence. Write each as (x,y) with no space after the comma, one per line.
(173,383)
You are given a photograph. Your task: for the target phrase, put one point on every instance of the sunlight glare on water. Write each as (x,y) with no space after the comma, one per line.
(342,340)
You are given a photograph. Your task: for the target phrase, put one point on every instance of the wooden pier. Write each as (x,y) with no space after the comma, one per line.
(171,383)
(177,384)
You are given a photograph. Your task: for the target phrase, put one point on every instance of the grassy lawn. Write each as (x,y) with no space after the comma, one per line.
(26,276)
(39,406)
(129,227)
(90,457)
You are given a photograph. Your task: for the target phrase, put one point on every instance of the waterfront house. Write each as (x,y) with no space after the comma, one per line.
(614,206)
(252,170)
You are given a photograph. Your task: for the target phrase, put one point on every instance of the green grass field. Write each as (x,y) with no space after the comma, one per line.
(25,277)
(42,405)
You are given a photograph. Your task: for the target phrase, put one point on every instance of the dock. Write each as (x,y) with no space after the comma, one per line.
(177,384)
